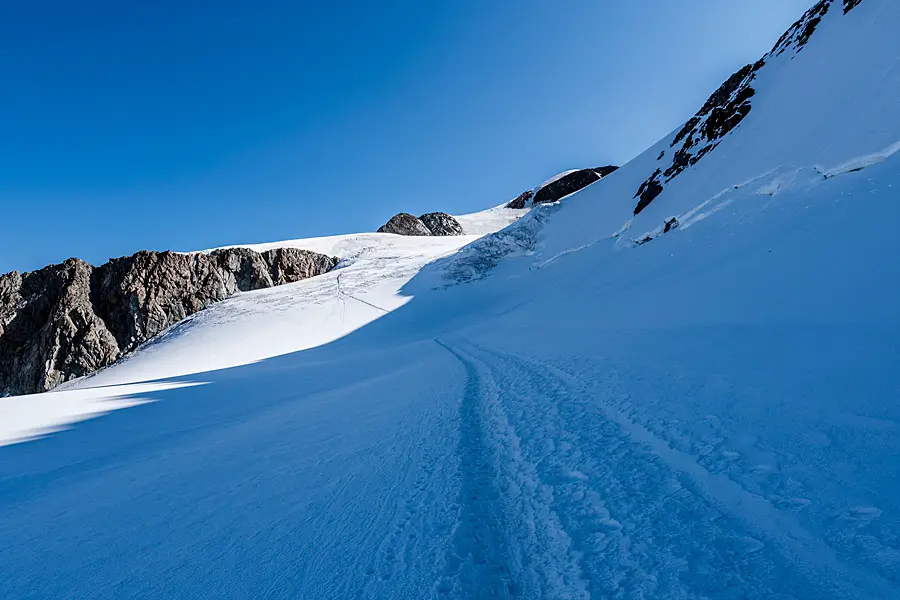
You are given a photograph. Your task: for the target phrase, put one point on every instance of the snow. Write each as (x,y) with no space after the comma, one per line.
(26,417)
(550,411)
(262,324)
(489,221)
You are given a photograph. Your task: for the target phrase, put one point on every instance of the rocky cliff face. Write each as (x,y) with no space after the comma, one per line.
(68,320)
(49,330)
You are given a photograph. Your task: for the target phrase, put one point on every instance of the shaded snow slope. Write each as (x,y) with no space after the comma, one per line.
(553,412)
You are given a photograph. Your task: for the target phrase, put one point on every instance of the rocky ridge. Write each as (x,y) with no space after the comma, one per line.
(67,320)
(727,107)
(561,187)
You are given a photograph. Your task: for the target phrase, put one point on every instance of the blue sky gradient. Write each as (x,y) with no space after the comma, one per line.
(174,125)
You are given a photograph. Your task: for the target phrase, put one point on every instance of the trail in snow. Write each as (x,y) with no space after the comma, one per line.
(609,509)
(478,562)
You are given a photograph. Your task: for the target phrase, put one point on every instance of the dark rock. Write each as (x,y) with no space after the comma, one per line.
(571,183)
(565,185)
(727,107)
(141,295)
(289,265)
(248,268)
(439,223)
(649,190)
(68,320)
(725,117)
(800,32)
(562,187)
(669,224)
(850,5)
(604,171)
(404,224)
(522,200)
(688,128)
(719,115)
(49,332)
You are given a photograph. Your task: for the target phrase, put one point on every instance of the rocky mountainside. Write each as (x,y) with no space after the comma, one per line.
(726,108)
(68,320)
(561,186)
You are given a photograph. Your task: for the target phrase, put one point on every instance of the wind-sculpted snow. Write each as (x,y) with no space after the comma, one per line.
(779,181)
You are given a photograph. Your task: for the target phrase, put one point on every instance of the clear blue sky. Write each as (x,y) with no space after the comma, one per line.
(185,125)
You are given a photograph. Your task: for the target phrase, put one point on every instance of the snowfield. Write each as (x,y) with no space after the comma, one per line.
(575,404)
(256,325)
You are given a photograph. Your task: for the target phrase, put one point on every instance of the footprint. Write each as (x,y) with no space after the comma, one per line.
(574,475)
(794,504)
(748,545)
(762,470)
(863,513)
(730,455)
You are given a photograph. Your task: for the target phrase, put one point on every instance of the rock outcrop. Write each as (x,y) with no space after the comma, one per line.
(800,32)
(571,183)
(436,223)
(722,112)
(68,320)
(404,224)
(561,187)
(648,191)
(522,200)
(439,223)
(248,269)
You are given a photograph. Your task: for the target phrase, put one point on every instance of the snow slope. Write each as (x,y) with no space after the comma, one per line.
(256,325)
(552,412)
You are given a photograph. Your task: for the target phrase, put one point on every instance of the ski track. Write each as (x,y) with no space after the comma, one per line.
(564,495)
(478,556)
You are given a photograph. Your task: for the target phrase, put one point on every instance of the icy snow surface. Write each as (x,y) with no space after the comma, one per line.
(552,412)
